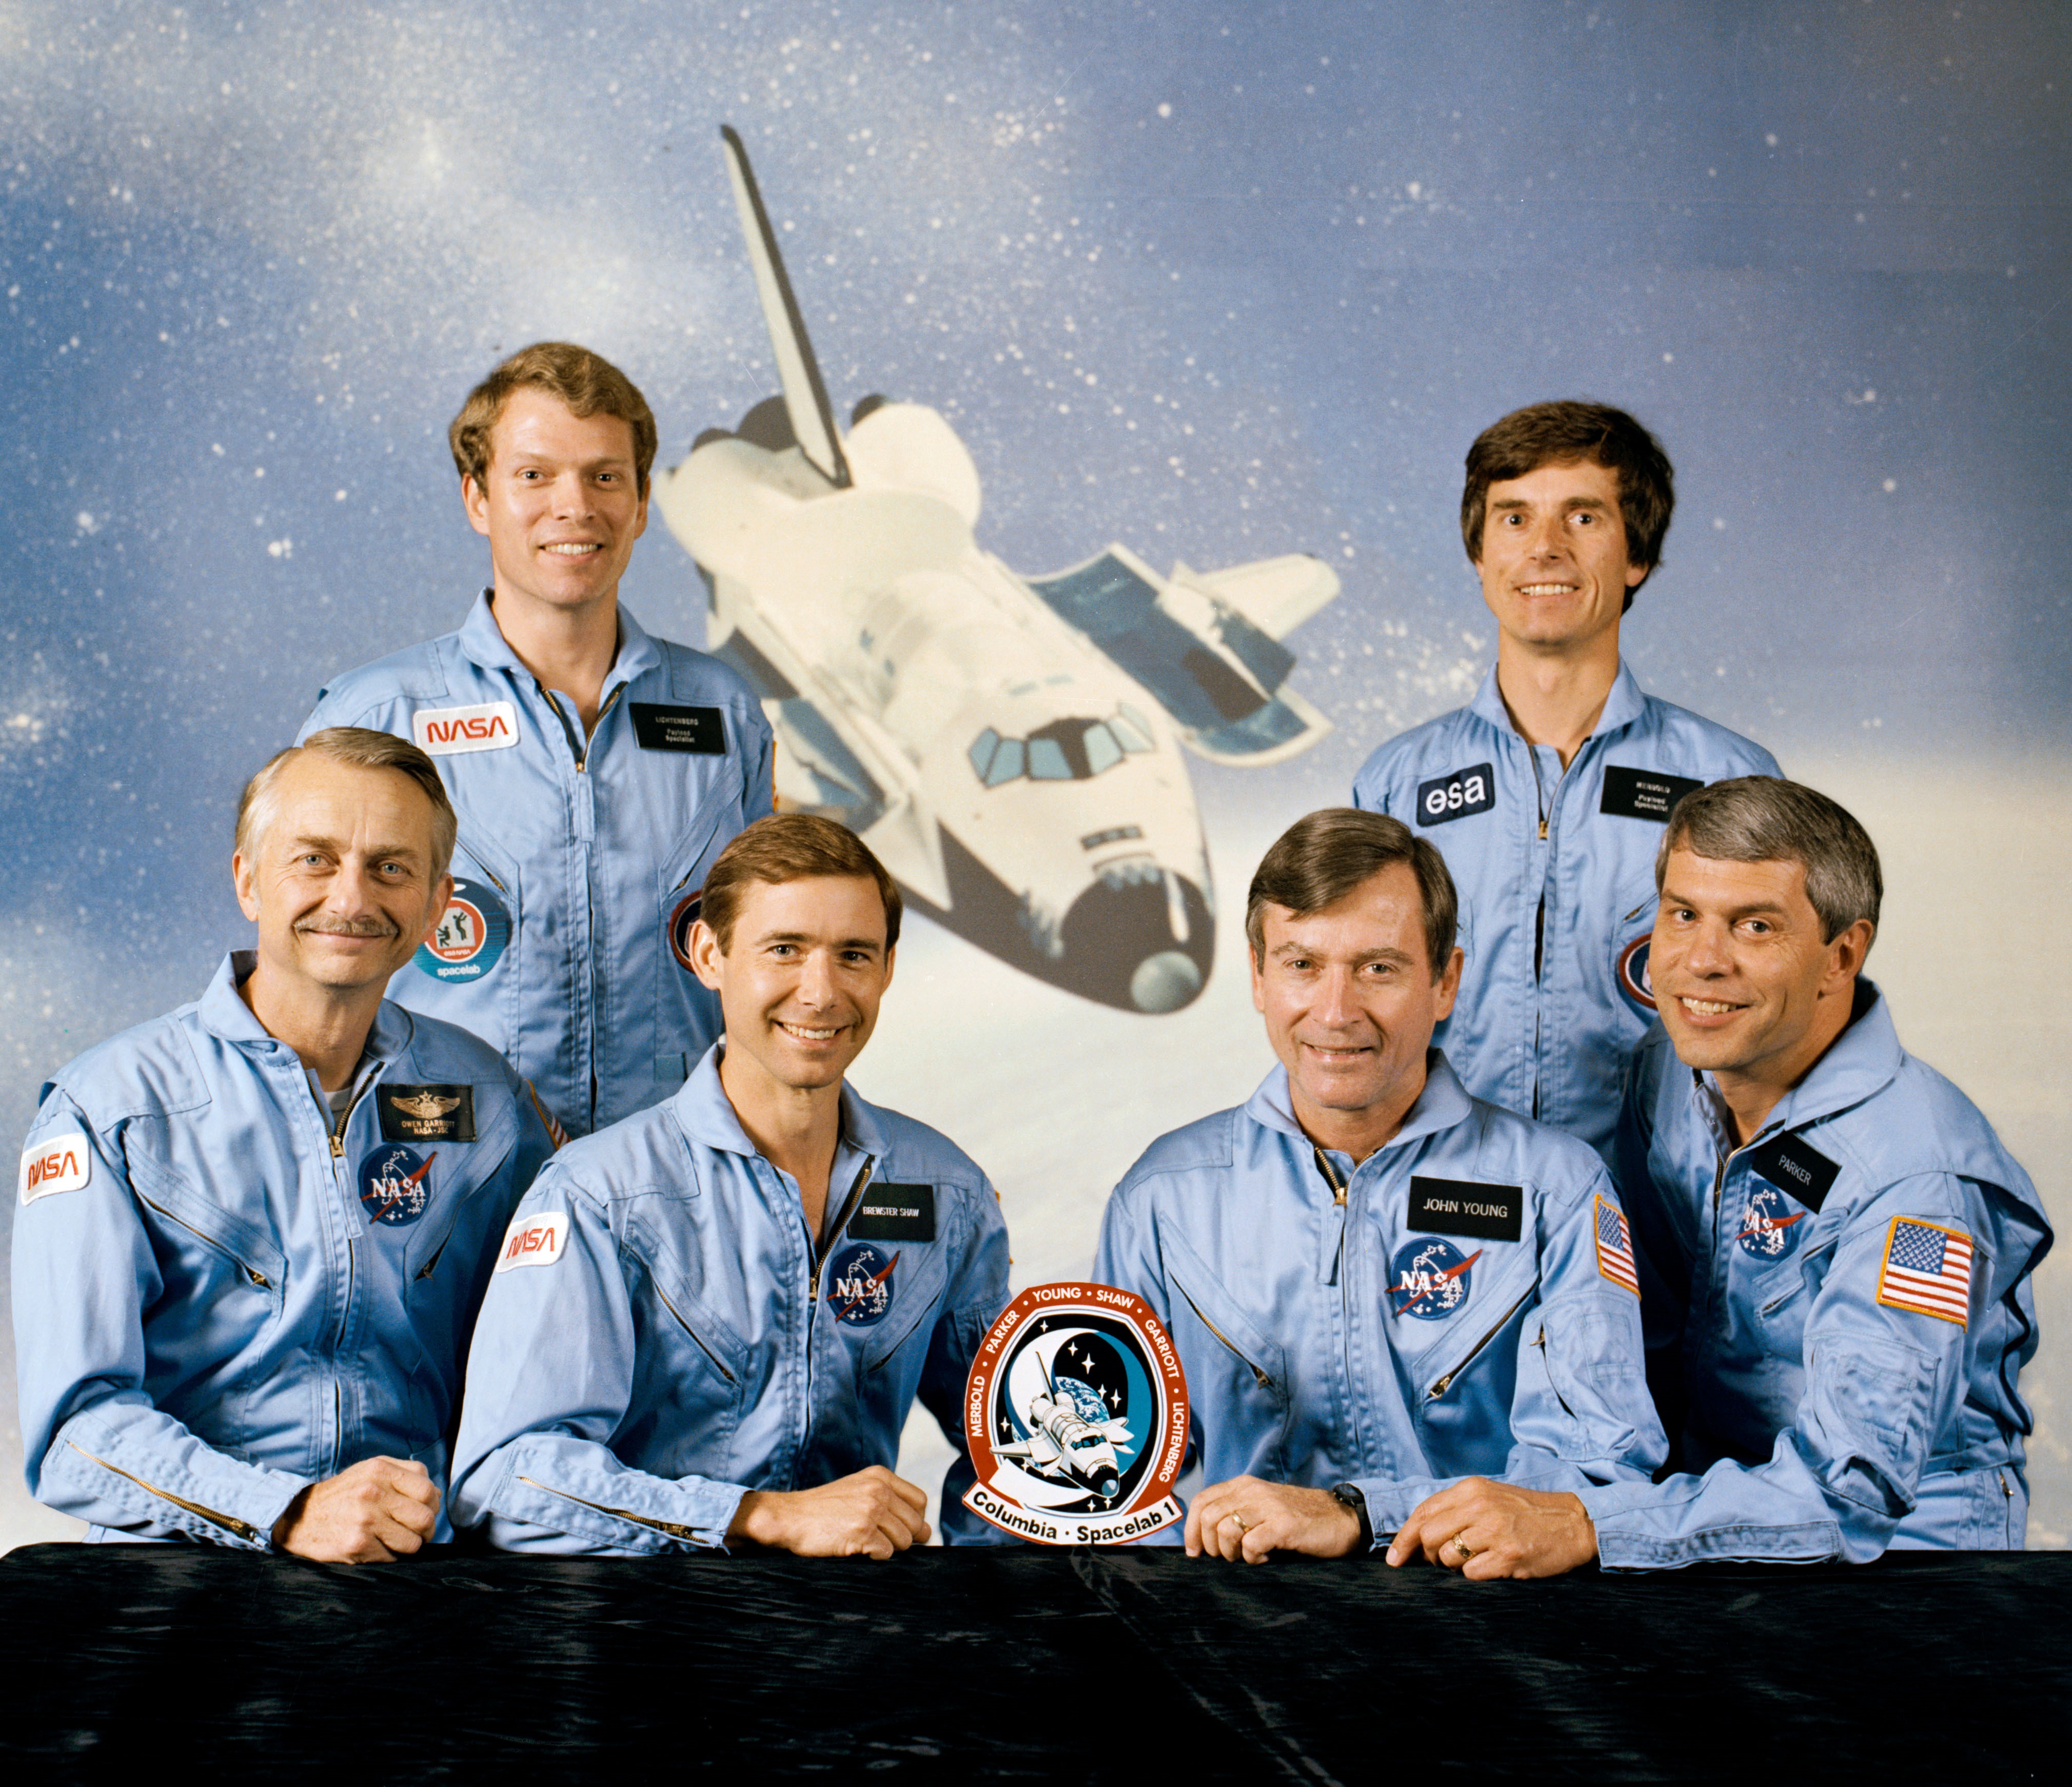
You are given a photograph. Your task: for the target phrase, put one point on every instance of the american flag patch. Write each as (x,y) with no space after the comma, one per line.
(1928,1269)
(1615,1247)
(555,1133)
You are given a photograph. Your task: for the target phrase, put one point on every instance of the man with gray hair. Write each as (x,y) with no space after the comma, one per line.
(1836,1249)
(253,1235)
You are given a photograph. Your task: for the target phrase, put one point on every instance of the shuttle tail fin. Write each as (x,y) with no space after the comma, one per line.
(805,396)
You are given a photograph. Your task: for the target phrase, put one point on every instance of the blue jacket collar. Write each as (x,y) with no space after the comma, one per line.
(1623,706)
(1862,1061)
(707,1115)
(1443,1103)
(223,1013)
(483,640)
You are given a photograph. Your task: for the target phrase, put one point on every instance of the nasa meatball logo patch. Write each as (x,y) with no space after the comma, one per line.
(1631,972)
(1430,1279)
(396,1184)
(1075,1416)
(1770,1225)
(471,936)
(860,1283)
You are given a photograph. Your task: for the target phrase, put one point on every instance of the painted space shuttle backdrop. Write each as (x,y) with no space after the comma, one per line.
(1212,296)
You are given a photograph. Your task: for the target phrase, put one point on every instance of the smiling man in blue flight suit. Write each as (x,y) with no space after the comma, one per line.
(1836,1249)
(253,1235)
(709,1322)
(1548,792)
(1378,1284)
(597,771)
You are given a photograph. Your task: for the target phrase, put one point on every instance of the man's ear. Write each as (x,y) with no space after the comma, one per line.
(1450,984)
(706,954)
(1846,953)
(476,500)
(244,877)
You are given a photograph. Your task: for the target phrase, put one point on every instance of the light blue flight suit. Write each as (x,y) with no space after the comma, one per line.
(217,1303)
(1555,875)
(580,861)
(1392,1337)
(1836,1313)
(662,1334)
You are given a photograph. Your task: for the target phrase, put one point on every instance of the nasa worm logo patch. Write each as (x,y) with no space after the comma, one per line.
(1631,974)
(860,1283)
(1076,1414)
(473,932)
(1430,1279)
(396,1184)
(1771,1224)
(681,921)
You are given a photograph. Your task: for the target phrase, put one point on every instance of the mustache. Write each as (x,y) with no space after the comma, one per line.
(369,926)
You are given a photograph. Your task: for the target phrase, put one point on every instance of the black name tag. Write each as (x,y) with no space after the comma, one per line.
(1463,1207)
(426,1114)
(1456,796)
(1796,1169)
(895,1212)
(1643,793)
(698,729)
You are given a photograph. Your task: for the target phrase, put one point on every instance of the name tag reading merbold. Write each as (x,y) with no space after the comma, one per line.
(895,1212)
(1643,793)
(426,1114)
(700,730)
(1466,1206)
(1796,1168)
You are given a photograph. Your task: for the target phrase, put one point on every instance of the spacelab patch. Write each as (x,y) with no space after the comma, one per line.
(454,731)
(1643,793)
(1793,1164)
(1456,795)
(1631,972)
(681,921)
(701,730)
(1615,1258)
(860,1284)
(1430,1279)
(535,1240)
(472,935)
(59,1163)
(396,1184)
(1465,1207)
(895,1212)
(1927,1270)
(1771,1224)
(426,1114)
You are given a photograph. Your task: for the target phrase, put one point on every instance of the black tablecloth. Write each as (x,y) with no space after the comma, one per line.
(1123,1665)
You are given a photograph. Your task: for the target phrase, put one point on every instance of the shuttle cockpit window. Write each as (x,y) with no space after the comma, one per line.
(1065,751)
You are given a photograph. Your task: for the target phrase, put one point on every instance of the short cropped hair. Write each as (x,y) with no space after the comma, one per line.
(1324,855)
(1561,433)
(791,846)
(363,749)
(588,384)
(1765,819)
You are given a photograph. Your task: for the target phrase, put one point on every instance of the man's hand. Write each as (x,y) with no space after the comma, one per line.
(1486,1529)
(874,1513)
(1247,1517)
(381,1509)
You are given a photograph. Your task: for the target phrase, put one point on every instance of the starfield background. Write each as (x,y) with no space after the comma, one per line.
(1215,280)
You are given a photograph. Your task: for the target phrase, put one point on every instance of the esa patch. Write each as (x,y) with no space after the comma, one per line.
(454,731)
(700,731)
(472,934)
(1615,1246)
(59,1163)
(1466,1206)
(895,1212)
(1430,1279)
(1927,1270)
(396,1184)
(1631,972)
(681,921)
(1456,795)
(860,1284)
(1643,793)
(1771,1224)
(534,1240)
(1793,1164)
(426,1114)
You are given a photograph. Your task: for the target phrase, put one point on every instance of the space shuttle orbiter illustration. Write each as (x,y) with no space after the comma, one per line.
(1009,746)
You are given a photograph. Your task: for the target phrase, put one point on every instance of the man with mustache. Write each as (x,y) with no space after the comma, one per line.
(1548,792)
(253,1234)
(1836,1251)
(710,1321)
(597,770)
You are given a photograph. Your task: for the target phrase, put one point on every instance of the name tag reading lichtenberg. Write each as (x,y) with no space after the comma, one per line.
(1465,1207)
(700,730)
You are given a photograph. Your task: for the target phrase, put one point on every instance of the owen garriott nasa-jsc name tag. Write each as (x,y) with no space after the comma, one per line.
(426,1114)
(895,1212)
(700,730)
(1465,1207)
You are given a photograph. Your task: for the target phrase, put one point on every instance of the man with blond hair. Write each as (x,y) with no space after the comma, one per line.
(597,770)
(253,1235)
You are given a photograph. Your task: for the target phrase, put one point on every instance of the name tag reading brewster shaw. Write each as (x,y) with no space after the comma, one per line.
(895,1212)
(1465,1207)
(700,730)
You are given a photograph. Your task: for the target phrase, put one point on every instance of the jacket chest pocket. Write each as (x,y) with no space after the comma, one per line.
(1256,1368)
(679,883)
(1449,1298)
(470,956)
(1635,904)
(208,1255)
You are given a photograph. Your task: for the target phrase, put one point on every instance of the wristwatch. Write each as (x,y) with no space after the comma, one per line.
(1347,1496)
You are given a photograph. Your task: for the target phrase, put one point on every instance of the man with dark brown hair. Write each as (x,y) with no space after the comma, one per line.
(1547,794)
(597,770)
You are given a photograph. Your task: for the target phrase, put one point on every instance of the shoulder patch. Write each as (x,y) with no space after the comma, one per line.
(1457,794)
(451,731)
(1927,1271)
(59,1163)
(1643,793)
(534,1240)
(1615,1245)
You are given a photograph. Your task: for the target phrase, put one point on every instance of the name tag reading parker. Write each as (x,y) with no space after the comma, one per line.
(1466,1206)
(895,1212)
(701,730)
(426,1114)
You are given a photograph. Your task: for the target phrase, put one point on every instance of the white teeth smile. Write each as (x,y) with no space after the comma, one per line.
(801,1032)
(1708,1008)
(1545,589)
(575,549)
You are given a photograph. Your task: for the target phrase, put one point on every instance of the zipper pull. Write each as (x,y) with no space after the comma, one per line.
(337,1146)
(1543,828)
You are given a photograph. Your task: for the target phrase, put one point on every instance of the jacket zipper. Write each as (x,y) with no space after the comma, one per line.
(1330,1179)
(258,1278)
(230,1523)
(841,1221)
(1444,1383)
(672,1527)
(1264,1382)
(707,1351)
